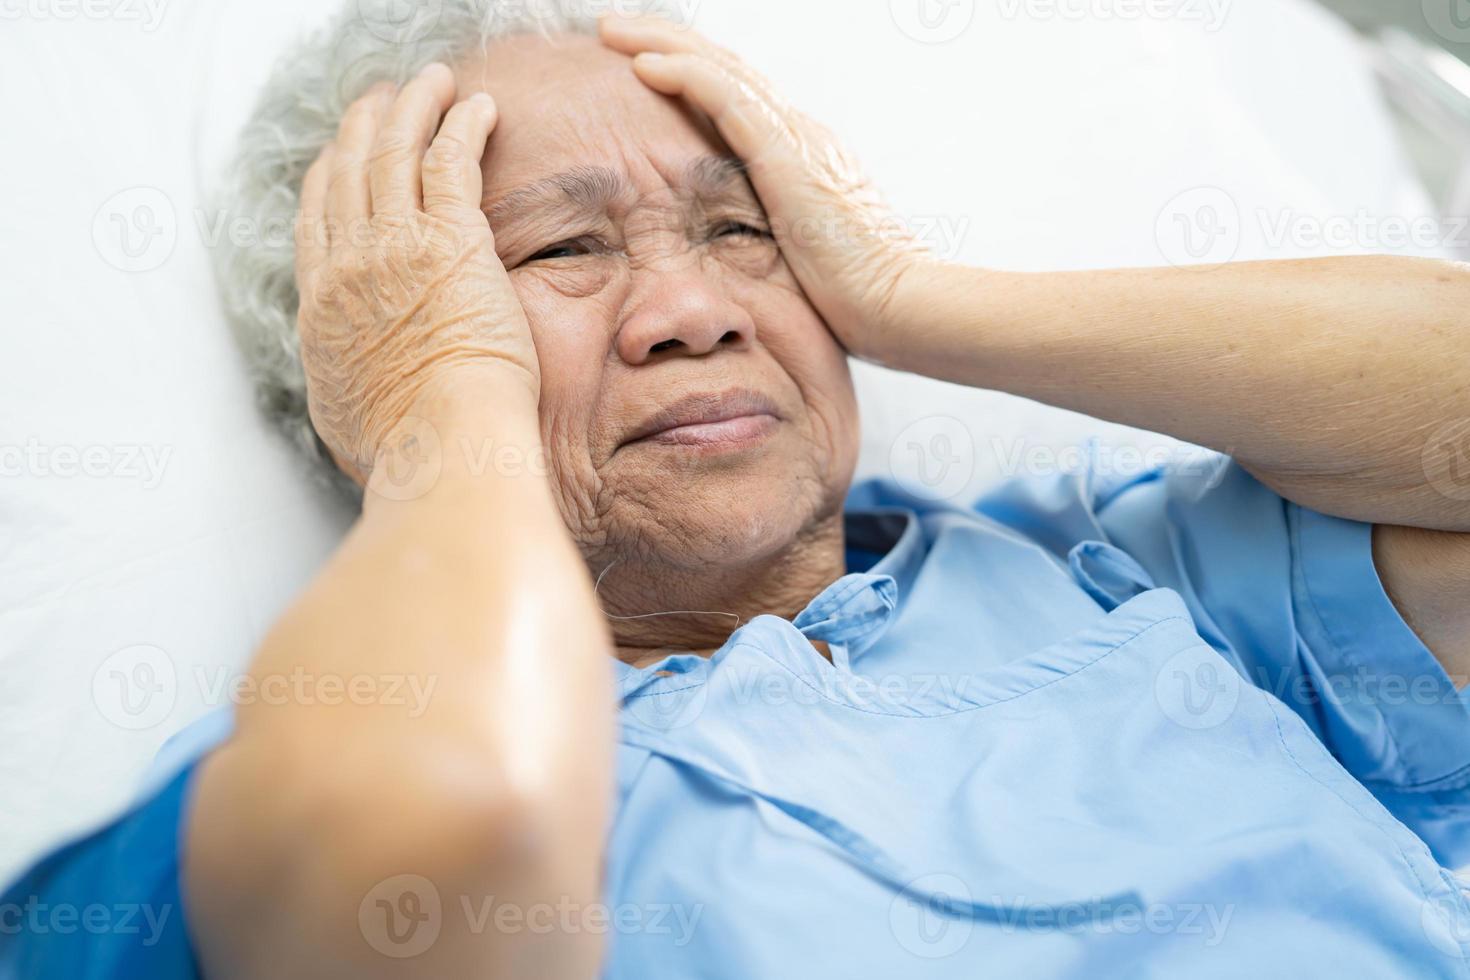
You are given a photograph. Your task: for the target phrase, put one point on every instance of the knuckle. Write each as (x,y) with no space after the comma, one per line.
(392,147)
(440,200)
(344,167)
(447,149)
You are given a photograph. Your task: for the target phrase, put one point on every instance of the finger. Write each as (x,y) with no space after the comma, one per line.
(397,161)
(747,120)
(632,35)
(654,34)
(312,245)
(453,180)
(649,32)
(348,202)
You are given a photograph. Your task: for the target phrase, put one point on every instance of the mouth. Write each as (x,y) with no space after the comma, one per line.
(714,422)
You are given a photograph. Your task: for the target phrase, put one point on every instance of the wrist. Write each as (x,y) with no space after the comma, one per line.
(462,394)
(901,316)
(466,429)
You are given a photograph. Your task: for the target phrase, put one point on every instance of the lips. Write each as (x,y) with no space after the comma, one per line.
(730,418)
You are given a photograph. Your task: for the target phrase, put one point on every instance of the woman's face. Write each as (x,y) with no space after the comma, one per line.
(643,260)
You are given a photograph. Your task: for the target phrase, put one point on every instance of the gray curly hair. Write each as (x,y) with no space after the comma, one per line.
(298,113)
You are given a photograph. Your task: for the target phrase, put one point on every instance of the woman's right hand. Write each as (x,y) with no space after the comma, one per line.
(402,292)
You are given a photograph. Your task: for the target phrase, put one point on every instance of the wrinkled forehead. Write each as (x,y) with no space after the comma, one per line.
(569,104)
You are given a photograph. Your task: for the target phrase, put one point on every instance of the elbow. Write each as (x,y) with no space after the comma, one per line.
(454,824)
(293,865)
(342,825)
(448,814)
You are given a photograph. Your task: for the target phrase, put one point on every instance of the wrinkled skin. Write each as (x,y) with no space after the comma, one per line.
(845,246)
(672,282)
(397,272)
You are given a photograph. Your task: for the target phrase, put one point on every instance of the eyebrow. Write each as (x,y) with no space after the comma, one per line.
(592,190)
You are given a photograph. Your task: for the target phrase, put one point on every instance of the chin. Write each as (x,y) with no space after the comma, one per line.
(723,518)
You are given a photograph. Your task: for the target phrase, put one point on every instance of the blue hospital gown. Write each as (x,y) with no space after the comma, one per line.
(1159,725)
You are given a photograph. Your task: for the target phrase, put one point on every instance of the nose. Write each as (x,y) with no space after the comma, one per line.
(681,314)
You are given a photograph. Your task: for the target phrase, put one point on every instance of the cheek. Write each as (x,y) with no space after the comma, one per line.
(800,343)
(754,260)
(572,332)
(826,383)
(572,337)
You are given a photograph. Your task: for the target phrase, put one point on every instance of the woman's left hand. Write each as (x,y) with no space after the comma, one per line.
(844,245)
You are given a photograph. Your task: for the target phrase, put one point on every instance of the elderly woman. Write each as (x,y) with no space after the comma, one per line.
(575,311)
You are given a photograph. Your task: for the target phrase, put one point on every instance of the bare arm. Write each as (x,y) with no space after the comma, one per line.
(1327,379)
(344,834)
(1427,575)
(496,793)
(1342,384)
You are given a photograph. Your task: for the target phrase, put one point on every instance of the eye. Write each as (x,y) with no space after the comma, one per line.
(570,248)
(726,229)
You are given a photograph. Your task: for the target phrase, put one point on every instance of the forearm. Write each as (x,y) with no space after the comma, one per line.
(494,789)
(1425,574)
(1326,378)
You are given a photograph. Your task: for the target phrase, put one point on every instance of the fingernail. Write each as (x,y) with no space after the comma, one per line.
(649,57)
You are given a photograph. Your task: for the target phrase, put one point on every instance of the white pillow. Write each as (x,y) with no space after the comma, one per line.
(153,529)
